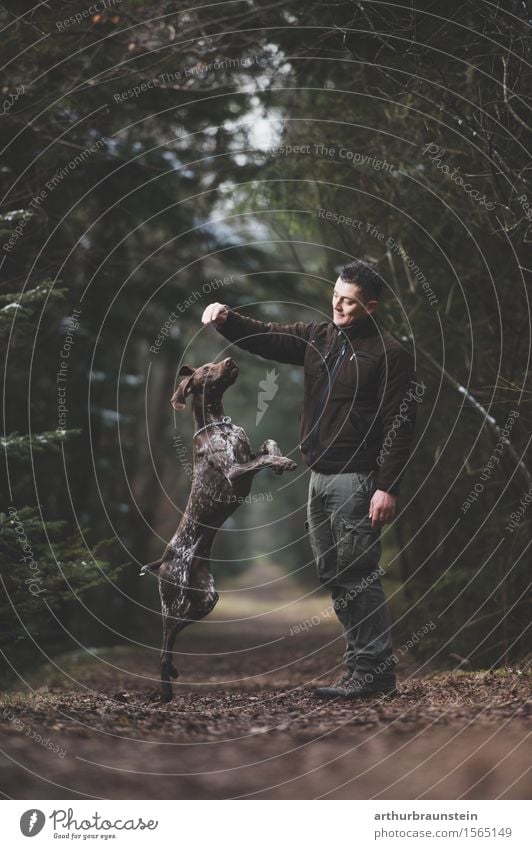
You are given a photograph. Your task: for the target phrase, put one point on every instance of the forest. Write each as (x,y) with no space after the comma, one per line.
(159,157)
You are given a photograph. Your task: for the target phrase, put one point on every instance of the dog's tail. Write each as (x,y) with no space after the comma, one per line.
(150,567)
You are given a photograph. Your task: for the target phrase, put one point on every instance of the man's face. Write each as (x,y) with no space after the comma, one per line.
(349,305)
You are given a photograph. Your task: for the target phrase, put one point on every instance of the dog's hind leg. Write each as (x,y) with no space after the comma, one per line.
(201,593)
(171,628)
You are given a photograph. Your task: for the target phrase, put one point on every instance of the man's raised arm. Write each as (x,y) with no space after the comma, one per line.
(285,343)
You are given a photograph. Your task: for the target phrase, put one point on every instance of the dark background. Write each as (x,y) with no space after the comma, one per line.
(184,188)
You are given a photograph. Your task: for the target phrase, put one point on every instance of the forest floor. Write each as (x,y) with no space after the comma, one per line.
(244,724)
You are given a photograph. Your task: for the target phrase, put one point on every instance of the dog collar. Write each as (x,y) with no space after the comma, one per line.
(225,421)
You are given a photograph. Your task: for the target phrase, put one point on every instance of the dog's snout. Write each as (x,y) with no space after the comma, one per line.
(229,362)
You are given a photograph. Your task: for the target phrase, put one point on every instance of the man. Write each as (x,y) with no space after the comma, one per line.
(357,424)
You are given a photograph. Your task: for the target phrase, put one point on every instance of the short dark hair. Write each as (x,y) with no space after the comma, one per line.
(363,274)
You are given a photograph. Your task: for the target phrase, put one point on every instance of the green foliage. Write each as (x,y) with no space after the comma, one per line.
(20,448)
(45,569)
(18,309)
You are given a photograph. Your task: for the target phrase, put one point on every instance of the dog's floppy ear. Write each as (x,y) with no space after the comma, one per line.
(178,399)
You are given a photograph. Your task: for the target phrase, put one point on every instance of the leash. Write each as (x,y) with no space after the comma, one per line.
(225,421)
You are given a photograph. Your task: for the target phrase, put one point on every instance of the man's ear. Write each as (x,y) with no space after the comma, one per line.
(371,306)
(178,399)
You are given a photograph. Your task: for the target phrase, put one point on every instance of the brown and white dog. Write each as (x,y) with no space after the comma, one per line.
(224,467)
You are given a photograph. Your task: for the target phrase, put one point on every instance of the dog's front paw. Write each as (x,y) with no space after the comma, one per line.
(284,464)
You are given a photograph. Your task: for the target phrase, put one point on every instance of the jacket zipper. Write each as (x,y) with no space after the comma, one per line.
(321,401)
(361,355)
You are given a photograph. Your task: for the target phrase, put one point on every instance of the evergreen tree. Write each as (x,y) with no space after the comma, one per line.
(47,567)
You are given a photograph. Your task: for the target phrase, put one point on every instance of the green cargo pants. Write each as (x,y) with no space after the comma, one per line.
(347,552)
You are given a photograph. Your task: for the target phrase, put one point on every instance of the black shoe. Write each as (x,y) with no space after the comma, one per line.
(340,682)
(357,688)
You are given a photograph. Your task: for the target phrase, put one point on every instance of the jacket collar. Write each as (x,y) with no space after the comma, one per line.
(359,329)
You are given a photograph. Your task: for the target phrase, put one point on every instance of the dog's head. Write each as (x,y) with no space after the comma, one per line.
(210,381)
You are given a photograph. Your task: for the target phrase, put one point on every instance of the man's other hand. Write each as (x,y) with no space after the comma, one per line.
(215,314)
(382,508)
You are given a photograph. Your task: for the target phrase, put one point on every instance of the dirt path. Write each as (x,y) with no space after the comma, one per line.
(244,723)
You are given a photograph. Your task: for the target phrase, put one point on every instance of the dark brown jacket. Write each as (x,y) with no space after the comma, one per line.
(359,407)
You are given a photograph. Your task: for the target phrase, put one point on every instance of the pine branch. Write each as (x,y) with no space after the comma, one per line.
(19,448)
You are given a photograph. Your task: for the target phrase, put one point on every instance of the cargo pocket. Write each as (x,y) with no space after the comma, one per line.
(359,549)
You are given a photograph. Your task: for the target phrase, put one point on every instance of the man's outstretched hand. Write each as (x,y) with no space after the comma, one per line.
(382,508)
(215,314)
